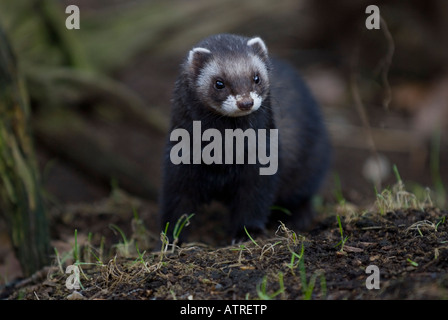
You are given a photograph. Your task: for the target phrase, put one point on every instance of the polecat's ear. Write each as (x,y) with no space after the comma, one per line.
(259,46)
(197,57)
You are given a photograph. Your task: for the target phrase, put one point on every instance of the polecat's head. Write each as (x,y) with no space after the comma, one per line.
(230,74)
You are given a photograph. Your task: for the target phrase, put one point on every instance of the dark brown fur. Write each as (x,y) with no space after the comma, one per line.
(287,106)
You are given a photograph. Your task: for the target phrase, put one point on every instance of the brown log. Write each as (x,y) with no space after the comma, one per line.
(68,135)
(21,203)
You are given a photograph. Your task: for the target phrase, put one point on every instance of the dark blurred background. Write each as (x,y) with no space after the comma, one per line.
(100,95)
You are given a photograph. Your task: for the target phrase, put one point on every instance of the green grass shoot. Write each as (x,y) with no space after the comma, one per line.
(76,248)
(292,265)
(183,221)
(337,192)
(122,247)
(434,168)
(343,239)
(262,288)
(250,237)
(413,263)
(308,286)
(282,209)
(440,222)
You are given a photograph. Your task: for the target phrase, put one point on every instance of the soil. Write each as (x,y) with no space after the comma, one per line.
(409,247)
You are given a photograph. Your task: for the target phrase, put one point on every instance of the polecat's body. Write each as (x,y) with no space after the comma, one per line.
(229,82)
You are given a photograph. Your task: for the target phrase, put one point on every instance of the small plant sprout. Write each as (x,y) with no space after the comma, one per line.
(182,222)
(251,239)
(398,198)
(428,201)
(268,247)
(404,199)
(338,190)
(76,259)
(140,234)
(76,248)
(262,288)
(88,248)
(413,263)
(58,260)
(101,249)
(441,194)
(282,209)
(89,251)
(122,247)
(343,239)
(441,221)
(165,241)
(292,241)
(436,253)
(140,259)
(308,287)
(241,248)
(292,265)
(290,236)
(424,225)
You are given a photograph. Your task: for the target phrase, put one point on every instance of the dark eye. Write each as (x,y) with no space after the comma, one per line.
(257,79)
(219,84)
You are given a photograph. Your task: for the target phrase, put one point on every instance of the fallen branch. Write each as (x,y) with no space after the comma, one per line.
(66,134)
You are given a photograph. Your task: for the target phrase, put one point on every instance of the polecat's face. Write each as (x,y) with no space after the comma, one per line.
(233,81)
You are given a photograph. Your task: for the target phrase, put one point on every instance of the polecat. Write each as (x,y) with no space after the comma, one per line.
(229,82)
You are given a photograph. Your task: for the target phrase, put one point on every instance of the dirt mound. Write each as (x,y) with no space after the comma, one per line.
(407,248)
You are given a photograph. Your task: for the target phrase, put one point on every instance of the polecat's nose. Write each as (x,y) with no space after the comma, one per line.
(245,104)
